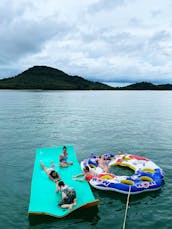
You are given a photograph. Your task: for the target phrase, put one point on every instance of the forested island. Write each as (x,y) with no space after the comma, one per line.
(47,78)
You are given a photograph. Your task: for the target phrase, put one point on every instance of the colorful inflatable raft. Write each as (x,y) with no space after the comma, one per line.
(147,175)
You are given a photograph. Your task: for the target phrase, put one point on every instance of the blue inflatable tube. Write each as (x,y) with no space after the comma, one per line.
(147,175)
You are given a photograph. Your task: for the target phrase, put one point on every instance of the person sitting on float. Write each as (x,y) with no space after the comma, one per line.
(68,195)
(63,159)
(87,175)
(103,164)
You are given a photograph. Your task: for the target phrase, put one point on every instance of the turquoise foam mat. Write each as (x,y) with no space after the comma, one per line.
(44,199)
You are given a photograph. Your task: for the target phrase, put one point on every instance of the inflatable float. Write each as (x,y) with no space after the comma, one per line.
(147,175)
(43,198)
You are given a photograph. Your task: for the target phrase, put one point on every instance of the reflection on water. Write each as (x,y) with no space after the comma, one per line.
(80,216)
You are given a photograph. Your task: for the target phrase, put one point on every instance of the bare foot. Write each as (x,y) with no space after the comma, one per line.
(70,206)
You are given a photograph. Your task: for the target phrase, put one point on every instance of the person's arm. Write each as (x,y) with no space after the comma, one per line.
(43,167)
(79,179)
(79,175)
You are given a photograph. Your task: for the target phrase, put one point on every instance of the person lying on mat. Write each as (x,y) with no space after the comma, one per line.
(87,175)
(52,174)
(64,157)
(68,195)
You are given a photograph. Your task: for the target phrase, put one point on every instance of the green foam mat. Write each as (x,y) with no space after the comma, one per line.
(44,199)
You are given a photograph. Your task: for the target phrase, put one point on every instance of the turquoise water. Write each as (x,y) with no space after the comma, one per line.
(137,122)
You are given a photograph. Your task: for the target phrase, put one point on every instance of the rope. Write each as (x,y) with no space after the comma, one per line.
(128,197)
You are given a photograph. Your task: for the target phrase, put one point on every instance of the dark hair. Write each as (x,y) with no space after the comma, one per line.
(57,175)
(87,168)
(61,183)
(64,147)
(54,174)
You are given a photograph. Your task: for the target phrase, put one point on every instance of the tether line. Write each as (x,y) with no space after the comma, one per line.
(126,209)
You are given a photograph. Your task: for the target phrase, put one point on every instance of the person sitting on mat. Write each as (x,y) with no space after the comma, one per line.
(64,157)
(52,174)
(68,195)
(87,175)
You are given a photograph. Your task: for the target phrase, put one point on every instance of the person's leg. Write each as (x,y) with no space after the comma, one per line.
(65,203)
(106,168)
(74,202)
(68,202)
(69,206)
(62,164)
(70,163)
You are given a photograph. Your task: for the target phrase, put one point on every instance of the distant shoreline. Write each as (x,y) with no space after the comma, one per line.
(47,78)
(31,89)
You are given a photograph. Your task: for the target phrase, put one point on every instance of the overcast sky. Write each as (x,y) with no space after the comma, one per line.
(103,40)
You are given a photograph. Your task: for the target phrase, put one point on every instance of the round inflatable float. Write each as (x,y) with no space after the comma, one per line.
(147,175)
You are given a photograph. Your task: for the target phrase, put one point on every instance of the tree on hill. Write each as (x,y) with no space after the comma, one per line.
(43,77)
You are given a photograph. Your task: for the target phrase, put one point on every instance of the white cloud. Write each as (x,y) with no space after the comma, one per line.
(114,40)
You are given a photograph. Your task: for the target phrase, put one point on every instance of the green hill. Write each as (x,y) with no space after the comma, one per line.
(141,86)
(47,78)
(147,86)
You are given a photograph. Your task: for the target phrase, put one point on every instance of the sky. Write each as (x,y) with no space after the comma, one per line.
(115,41)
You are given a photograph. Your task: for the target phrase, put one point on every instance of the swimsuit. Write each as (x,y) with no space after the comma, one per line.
(63,159)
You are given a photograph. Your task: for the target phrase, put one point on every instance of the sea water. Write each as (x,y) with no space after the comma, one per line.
(138,122)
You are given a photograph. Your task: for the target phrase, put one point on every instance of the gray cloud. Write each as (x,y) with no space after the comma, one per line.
(10,10)
(156,13)
(102,5)
(135,22)
(161,36)
(26,36)
(22,35)
(99,40)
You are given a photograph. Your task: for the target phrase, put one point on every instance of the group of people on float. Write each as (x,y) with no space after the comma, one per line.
(88,173)
(67,192)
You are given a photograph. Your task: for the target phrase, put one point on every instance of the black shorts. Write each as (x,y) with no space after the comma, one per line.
(68,199)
